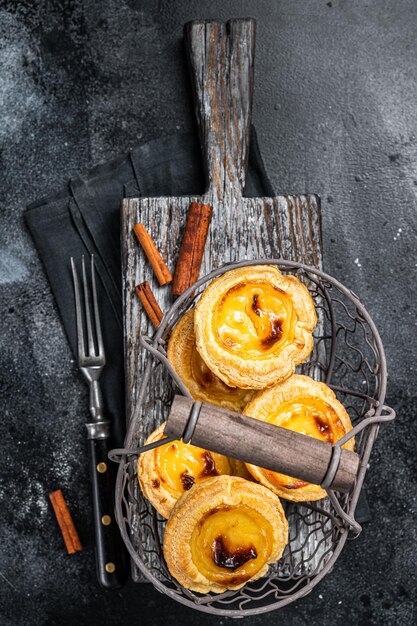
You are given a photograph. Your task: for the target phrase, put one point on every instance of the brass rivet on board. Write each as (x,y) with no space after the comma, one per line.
(110,568)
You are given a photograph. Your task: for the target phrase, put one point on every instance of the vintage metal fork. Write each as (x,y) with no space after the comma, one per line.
(110,552)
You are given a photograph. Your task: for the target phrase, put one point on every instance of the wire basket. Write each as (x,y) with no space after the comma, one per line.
(348,355)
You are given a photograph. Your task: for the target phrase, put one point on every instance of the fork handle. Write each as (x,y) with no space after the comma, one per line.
(111,562)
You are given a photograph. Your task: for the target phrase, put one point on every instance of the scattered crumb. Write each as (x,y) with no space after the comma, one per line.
(357,262)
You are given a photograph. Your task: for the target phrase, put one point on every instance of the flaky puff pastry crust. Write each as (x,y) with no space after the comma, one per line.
(224,533)
(307,406)
(200,381)
(239,469)
(253,326)
(167,472)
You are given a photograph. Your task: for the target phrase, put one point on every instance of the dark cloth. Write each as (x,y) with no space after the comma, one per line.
(84,218)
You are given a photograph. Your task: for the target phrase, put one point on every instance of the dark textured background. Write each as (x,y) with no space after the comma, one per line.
(335,110)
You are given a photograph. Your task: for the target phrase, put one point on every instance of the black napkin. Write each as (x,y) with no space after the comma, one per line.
(84,218)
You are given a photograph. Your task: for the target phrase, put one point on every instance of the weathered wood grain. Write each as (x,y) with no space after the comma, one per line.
(221,62)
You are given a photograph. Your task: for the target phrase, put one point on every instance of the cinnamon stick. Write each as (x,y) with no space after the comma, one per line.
(191,253)
(149,302)
(162,273)
(63,516)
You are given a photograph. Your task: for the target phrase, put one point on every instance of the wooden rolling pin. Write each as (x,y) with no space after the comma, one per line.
(259,443)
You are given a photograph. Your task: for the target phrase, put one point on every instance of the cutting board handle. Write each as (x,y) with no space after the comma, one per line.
(221,57)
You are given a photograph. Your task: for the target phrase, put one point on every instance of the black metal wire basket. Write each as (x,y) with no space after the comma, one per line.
(348,355)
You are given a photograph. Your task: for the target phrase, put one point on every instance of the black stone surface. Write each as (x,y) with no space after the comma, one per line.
(335,110)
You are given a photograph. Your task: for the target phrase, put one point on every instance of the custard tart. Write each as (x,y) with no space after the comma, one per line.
(224,533)
(239,469)
(306,406)
(253,325)
(200,381)
(167,472)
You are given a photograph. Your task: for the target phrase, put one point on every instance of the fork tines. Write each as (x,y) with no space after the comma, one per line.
(95,354)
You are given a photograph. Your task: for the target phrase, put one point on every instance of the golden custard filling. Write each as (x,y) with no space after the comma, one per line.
(254,319)
(231,544)
(310,416)
(211,383)
(179,466)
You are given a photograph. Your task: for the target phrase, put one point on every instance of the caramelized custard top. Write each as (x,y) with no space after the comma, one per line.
(310,416)
(179,466)
(231,543)
(254,319)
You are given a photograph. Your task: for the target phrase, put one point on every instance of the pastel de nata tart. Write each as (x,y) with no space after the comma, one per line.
(306,406)
(200,381)
(253,326)
(239,469)
(224,533)
(167,472)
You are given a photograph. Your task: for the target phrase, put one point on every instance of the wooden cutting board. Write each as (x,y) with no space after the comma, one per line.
(221,61)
